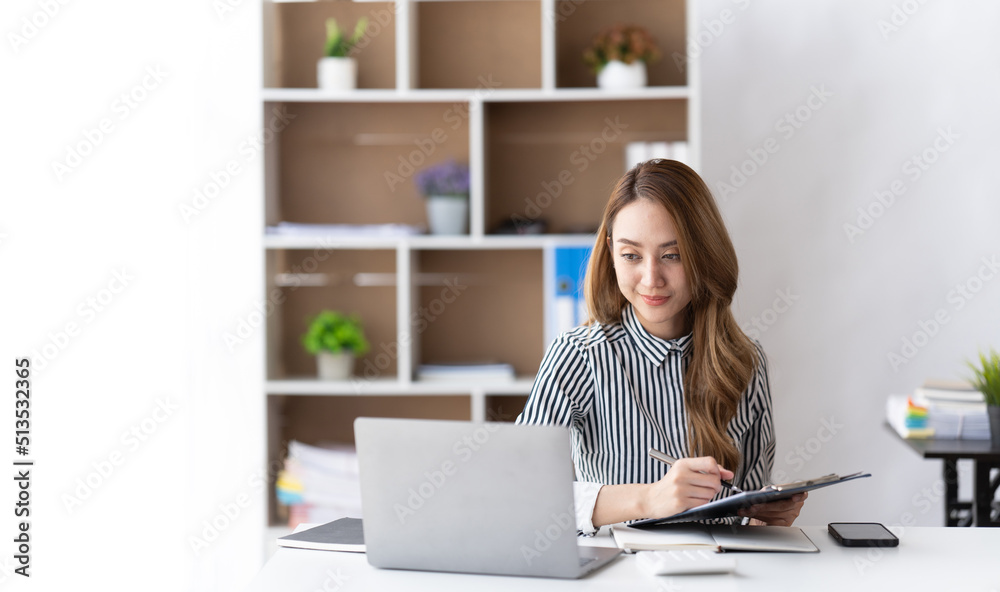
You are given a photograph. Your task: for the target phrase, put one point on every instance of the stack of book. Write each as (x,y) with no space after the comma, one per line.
(467,372)
(940,409)
(319,484)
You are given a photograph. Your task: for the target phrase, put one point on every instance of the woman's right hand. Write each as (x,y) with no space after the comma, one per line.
(690,482)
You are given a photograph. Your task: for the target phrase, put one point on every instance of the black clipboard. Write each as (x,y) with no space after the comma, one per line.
(730,506)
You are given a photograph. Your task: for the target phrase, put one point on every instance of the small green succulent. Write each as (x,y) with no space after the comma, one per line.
(337,46)
(334,332)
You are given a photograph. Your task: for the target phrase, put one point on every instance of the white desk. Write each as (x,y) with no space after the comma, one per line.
(966,559)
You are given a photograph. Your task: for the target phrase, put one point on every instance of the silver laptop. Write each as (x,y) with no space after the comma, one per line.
(455,496)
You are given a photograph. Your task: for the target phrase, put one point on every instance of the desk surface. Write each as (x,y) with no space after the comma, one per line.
(950,449)
(956,449)
(926,559)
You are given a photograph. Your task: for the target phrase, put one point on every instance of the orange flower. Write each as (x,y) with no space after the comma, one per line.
(625,43)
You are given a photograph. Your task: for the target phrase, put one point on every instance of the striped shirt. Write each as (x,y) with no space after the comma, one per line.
(621,391)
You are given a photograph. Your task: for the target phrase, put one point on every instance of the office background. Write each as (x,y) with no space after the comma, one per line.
(143,398)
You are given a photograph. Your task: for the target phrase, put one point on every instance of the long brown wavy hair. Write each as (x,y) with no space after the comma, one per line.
(722,356)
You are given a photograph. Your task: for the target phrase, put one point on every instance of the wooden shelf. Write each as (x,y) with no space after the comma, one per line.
(393,387)
(429,242)
(498,84)
(315,95)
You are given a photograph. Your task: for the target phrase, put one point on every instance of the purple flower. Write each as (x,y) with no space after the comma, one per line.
(447,178)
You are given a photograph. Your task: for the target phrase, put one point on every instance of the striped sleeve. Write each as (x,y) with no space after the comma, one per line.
(562,388)
(758,446)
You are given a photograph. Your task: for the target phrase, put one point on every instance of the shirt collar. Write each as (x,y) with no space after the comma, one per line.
(651,346)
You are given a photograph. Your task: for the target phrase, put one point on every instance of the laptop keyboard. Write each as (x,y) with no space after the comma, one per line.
(586,560)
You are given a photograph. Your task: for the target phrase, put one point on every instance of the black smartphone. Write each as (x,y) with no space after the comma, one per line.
(862,534)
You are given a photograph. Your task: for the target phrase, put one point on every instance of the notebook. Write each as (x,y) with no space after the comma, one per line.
(713,537)
(345,534)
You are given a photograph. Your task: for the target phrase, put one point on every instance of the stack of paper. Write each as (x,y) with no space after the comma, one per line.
(320,483)
(345,230)
(941,411)
(967,421)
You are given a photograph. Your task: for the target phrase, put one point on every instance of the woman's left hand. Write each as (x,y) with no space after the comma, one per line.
(779,513)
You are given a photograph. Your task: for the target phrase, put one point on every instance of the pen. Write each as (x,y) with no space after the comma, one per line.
(669,461)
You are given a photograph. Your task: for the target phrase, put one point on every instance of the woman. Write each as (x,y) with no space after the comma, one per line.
(661,364)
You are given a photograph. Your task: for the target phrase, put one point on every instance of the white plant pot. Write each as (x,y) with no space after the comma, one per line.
(334,366)
(448,214)
(337,73)
(621,76)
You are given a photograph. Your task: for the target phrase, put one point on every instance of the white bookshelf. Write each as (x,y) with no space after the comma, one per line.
(544,114)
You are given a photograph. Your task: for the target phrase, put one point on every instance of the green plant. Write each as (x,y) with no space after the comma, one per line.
(986,376)
(334,332)
(625,43)
(337,46)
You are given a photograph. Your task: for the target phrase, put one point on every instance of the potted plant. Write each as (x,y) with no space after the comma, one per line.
(337,70)
(336,340)
(619,55)
(986,379)
(446,187)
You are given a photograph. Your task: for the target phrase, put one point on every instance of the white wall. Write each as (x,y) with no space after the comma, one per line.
(855,296)
(157,338)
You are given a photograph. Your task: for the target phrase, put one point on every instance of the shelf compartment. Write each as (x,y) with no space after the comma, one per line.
(326,420)
(497,317)
(297,34)
(577,23)
(375,305)
(353,163)
(567,156)
(479,44)
(319,420)
(504,407)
